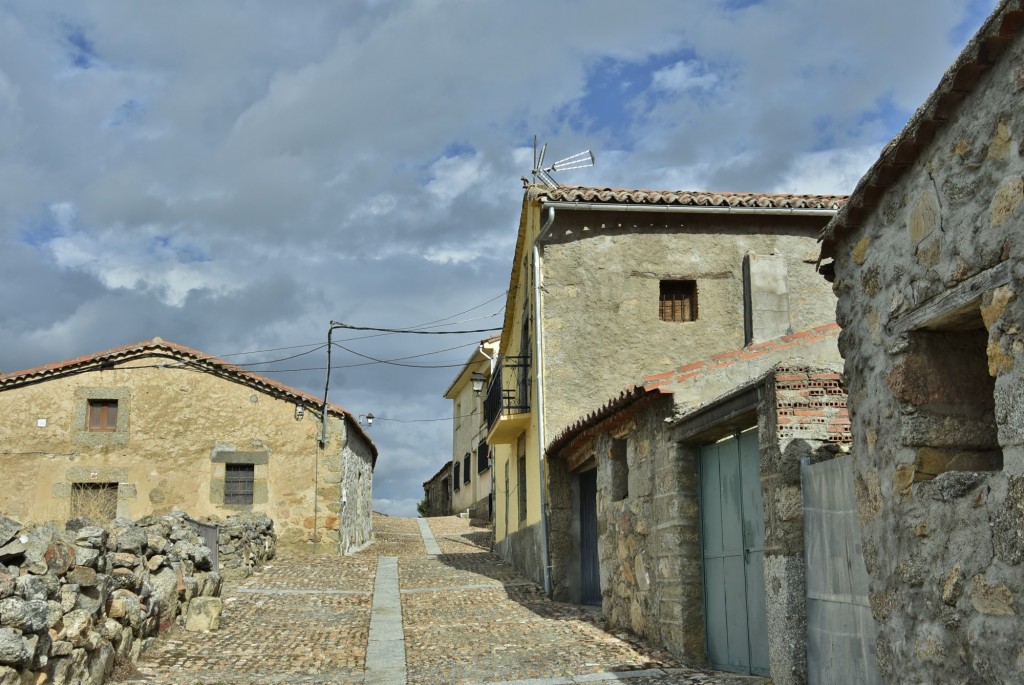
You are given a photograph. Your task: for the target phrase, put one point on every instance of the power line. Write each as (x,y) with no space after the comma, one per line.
(394,363)
(412,331)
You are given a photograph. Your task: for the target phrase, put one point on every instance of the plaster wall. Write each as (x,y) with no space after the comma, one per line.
(944,553)
(601,279)
(468,429)
(177,429)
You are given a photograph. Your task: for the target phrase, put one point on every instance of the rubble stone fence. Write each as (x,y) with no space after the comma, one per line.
(78,601)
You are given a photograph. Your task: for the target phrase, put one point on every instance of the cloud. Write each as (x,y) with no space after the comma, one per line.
(233,181)
(683,76)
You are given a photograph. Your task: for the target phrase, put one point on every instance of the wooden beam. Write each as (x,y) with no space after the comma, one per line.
(954,305)
(716,421)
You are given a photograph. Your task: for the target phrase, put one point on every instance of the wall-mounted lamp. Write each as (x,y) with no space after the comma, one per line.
(477,379)
(368,418)
(300,411)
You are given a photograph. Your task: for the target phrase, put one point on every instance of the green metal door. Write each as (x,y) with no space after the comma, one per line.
(732,519)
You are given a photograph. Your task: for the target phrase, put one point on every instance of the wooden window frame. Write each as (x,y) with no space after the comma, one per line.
(467,471)
(99,417)
(239,483)
(677,300)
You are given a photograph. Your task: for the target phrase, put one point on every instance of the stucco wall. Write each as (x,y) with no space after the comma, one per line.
(944,555)
(177,428)
(468,430)
(601,277)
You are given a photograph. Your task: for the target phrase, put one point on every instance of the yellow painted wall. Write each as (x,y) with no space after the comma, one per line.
(520,305)
(469,428)
(176,429)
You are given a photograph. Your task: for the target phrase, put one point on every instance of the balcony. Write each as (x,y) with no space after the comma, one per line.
(507,405)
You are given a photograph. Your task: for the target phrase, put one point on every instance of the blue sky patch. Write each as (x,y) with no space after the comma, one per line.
(977,12)
(39,233)
(160,245)
(458,148)
(81,50)
(127,113)
(739,4)
(618,93)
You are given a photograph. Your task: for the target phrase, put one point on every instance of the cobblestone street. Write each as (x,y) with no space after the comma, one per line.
(397,614)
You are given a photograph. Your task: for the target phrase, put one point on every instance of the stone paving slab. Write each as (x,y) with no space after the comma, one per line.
(463,616)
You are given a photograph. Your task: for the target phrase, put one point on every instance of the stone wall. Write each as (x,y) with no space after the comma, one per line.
(178,431)
(803,414)
(648,507)
(437,492)
(74,601)
(355,486)
(244,542)
(938,406)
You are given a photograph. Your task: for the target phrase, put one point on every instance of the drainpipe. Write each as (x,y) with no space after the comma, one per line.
(539,351)
(687,209)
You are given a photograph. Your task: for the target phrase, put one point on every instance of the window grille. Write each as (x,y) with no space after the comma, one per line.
(238,483)
(678,301)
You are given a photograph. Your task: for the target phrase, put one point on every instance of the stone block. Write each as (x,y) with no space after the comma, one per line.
(933,462)
(203,614)
(992,600)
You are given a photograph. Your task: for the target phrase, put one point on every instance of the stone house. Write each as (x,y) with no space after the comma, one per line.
(928,264)
(156,427)
(610,285)
(676,506)
(437,492)
(471,465)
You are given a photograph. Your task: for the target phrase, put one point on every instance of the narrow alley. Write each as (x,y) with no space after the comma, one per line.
(426,603)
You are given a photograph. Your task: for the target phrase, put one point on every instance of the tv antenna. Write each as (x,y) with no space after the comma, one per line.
(581,160)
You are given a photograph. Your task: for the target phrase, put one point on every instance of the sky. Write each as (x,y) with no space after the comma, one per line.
(234,176)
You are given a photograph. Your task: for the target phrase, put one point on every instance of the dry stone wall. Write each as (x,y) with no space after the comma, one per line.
(245,542)
(938,423)
(77,600)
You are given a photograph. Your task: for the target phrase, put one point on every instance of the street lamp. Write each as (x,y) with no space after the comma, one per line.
(369,419)
(477,379)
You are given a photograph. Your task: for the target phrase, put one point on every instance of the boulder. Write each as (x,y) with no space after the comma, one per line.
(13,648)
(28,616)
(204,614)
(9,529)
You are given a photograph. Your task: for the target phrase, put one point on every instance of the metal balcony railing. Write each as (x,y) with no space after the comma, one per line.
(509,391)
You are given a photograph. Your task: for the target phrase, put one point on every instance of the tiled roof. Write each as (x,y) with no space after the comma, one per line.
(982,52)
(722,359)
(664,382)
(184,356)
(447,467)
(626,398)
(686,198)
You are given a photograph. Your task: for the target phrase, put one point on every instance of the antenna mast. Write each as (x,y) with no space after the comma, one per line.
(581,160)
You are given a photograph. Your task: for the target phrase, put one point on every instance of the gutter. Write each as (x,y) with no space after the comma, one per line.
(545,542)
(684,209)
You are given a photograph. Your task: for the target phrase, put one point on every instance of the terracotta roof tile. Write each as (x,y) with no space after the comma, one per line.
(686,198)
(184,355)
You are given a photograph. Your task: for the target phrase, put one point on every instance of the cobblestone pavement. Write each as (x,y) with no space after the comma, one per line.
(465,617)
